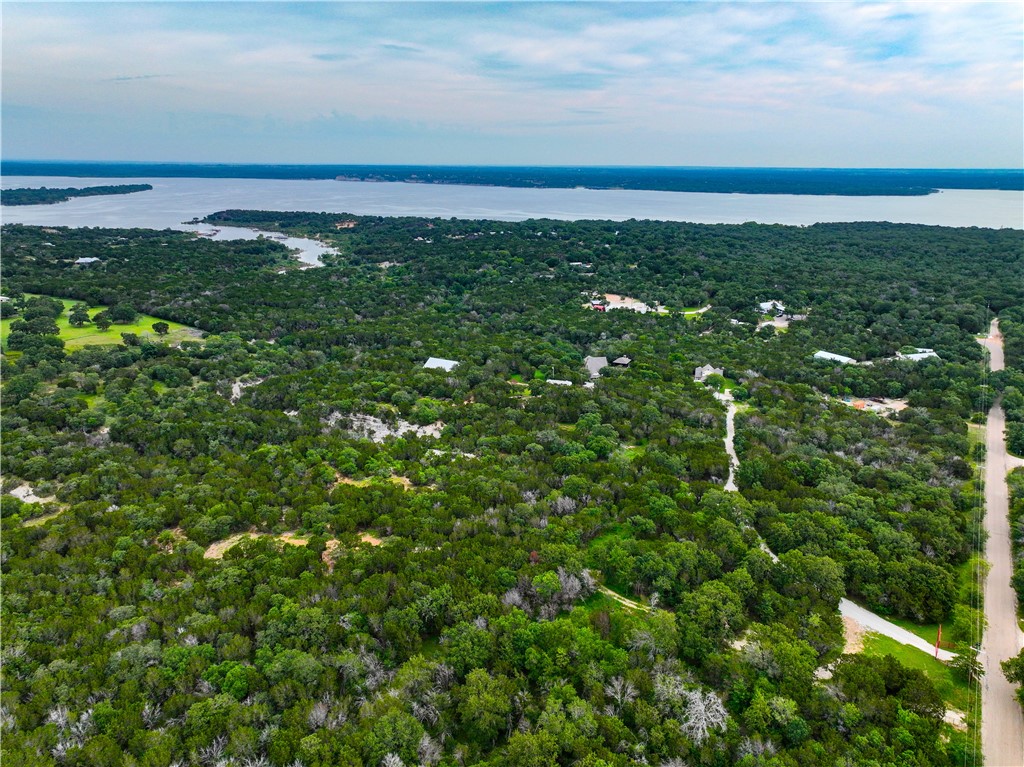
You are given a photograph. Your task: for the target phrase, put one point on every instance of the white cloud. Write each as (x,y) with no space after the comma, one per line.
(543,73)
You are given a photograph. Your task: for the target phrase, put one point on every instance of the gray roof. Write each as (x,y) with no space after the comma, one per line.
(621,361)
(594,365)
(701,373)
(440,364)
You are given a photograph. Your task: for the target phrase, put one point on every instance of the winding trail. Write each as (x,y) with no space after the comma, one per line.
(730,437)
(623,600)
(1002,724)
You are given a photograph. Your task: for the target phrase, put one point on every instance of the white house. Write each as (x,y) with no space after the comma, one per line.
(772,307)
(917,355)
(700,375)
(830,357)
(85,260)
(559,382)
(436,363)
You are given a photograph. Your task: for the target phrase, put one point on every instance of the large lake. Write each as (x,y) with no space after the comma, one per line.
(174,200)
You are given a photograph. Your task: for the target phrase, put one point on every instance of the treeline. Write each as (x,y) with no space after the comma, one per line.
(46,196)
(830,181)
(1011,382)
(1014,667)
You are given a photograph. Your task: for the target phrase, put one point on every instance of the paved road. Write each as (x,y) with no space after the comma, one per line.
(877,623)
(1002,724)
(994,344)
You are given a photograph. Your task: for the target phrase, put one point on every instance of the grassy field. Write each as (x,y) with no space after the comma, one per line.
(691,312)
(632,452)
(598,602)
(928,632)
(975,434)
(76,338)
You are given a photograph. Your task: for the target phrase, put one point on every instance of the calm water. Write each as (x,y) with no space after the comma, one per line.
(175,200)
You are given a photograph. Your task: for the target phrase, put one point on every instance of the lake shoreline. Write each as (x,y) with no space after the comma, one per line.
(693,179)
(174,200)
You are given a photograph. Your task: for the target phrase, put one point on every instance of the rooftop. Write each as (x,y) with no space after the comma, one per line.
(594,365)
(823,355)
(437,363)
(918,354)
(700,374)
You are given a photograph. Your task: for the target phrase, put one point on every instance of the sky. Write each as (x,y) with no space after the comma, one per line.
(827,84)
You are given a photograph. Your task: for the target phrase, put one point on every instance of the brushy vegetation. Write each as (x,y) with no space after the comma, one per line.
(449,611)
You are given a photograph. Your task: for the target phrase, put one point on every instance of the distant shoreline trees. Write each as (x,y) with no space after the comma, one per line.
(46,196)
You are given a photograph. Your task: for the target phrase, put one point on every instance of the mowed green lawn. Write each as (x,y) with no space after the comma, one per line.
(76,338)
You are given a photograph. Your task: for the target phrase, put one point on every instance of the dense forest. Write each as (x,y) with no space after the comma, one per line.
(46,196)
(1011,381)
(290,542)
(816,181)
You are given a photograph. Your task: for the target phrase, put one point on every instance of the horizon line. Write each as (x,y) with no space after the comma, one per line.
(504,166)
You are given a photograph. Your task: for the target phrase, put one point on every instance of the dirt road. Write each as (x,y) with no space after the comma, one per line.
(622,600)
(730,436)
(1002,725)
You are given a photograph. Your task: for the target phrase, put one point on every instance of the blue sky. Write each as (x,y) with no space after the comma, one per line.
(908,84)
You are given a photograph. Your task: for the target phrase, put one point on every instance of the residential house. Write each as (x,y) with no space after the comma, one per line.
(830,357)
(776,308)
(437,363)
(917,355)
(594,365)
(700,375)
